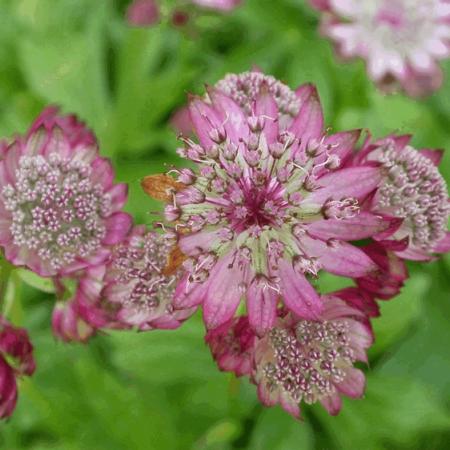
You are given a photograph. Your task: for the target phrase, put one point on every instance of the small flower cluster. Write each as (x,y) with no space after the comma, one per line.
(402,41)
(273,201)
(145,13)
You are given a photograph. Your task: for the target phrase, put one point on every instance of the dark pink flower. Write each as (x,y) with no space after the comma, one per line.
(402,41)
(312,361)
(232,346)
(16,359)
(267,206)
(59,208)
(143,13)
(413,190)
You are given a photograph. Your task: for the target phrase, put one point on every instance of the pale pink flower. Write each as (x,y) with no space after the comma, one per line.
(135,288)
(402,41)
(267,206)
(143,13)
(16,359)
(312,361)
(413,190)
(59,208)
(220,5)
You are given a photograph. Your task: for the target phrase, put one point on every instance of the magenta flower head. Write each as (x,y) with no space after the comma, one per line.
(135,288)
(413,190)
(267,207)
(143,13)
(59,208)
(402,41)
(16,359)
(312,361)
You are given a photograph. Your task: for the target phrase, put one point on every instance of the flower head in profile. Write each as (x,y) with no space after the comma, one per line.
(135,287)
(402,41)
(59,208)
(413,190)
(267,207)
(312,361)
(16,359)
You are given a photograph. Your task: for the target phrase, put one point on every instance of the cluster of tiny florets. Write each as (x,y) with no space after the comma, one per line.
(139,265)
(244,88)
(57,210)
(415,191)
(309,360)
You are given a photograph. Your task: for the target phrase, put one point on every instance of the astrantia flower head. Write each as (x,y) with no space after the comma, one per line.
(312,361)
(135,288)
(16,359)
(267,207)
(401,40)
(143,13)
(411,189)
(59,208)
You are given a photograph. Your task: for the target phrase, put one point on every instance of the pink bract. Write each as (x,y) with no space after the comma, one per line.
(59,207)
(267,207)
(133,289)
(16,359)
(312,361)
(402,41)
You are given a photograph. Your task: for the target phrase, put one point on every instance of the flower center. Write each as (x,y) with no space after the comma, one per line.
(57,211)
(255,205)
(307,362)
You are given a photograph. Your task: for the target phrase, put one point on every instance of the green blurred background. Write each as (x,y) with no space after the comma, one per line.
(161,390)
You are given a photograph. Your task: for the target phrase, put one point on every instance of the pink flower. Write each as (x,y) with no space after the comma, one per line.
(402,41)
(267,207)
(16,359)
(232,346)
(312,361)
(59,208)
(220,5)
(143,13)
(413,190)
(135,288)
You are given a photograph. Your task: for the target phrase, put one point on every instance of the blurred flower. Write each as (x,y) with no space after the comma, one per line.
(143,13)
(133,289)
(16,359)
(267,207)
(411,189)
(401,40)
(59,208)
(312,361)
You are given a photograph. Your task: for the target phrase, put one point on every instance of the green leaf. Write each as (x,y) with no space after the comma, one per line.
(35,281)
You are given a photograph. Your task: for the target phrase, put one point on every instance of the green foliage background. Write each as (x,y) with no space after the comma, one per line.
(161,390)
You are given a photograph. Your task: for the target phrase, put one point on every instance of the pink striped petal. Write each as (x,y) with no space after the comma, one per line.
(261,306)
